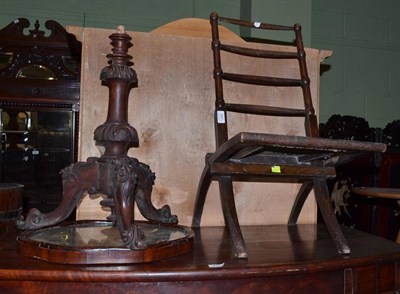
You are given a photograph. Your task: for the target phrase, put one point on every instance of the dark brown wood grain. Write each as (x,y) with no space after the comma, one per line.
(281,259)
(10,201)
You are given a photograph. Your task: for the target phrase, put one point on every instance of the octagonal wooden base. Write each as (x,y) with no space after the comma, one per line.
(99,242)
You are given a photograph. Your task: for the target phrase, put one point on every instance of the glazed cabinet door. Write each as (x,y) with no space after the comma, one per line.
(35,145)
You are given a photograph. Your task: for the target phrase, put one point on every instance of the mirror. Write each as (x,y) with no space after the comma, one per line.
(71,63)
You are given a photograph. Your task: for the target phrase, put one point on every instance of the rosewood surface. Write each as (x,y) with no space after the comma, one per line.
(281,259)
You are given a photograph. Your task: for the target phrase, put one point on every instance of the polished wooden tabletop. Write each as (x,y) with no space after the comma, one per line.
(276,252)
(273,249)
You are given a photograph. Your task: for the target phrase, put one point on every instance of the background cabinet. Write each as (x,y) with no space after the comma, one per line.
(39,109)
(379,216)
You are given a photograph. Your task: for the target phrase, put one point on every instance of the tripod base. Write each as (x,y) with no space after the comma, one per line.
(99,242)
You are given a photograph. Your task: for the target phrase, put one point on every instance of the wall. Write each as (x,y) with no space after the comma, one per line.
(364,74)
(146,15)
(137,15)
(364,35)
(286,12)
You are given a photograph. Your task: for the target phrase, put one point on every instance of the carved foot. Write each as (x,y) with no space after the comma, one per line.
(133,238)
(166,216)
(34,220)
(162,215)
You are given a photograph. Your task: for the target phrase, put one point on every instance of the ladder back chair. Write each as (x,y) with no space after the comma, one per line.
(250,156)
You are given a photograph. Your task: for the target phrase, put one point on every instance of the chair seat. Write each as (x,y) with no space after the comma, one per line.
(250,172)
(248,147)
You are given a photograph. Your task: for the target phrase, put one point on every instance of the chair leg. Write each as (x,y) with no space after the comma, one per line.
(299,202)
(323,200)
(230,216)
(204,184)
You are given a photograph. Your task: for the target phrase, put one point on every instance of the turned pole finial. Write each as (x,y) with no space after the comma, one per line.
(121,29)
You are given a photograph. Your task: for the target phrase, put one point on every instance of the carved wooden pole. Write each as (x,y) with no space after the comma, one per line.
(122,179)
(131,180)
(116,135)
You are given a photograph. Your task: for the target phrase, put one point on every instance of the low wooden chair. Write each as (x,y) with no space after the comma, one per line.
(249,156)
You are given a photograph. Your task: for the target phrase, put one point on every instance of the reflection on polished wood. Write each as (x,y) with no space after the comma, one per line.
(99,242)
(281,259)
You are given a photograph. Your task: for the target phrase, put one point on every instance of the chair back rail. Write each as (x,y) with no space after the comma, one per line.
(311,127)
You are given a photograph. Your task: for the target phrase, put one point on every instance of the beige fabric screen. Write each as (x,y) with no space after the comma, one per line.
(172,110)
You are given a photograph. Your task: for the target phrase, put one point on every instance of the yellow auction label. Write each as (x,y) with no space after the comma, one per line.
(276,169)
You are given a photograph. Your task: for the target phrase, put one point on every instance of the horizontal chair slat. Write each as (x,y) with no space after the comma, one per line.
(261,80)
(248,138)
(257,25)
(264,110)
(258,52)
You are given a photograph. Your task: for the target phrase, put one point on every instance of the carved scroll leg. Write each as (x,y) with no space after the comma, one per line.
(124,207)
(323,200)
(143,199)
(146,208)
(77,179)
(204,184)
